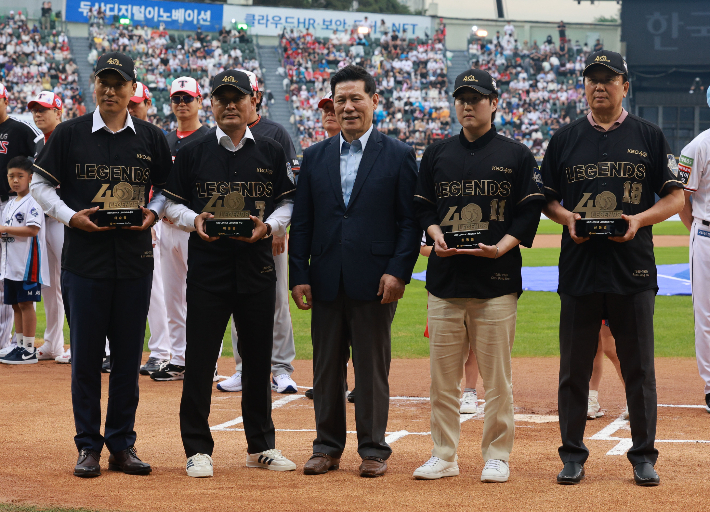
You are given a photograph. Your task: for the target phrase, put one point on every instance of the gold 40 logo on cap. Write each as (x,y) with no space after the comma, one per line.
(229,79)
(469,78)
(114,62)
(601,58)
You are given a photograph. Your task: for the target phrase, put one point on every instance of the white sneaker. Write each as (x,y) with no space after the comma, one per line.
(199,466)
(8,349)
(593,408)
(270,459)
(625,414)
(495,471)
(283,384)
(65,358)
(233,383)
(469,402)
(44,356)
(436,468)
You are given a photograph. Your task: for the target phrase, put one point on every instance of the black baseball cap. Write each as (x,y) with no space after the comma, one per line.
(118,62)
(233,78)
(478,80)
(609,59)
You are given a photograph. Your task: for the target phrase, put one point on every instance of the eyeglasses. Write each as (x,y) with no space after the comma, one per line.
(181,98)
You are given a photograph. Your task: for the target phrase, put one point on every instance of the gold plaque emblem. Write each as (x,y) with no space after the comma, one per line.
(606,200)
(114,62)
(234,201)
(231,207)
(123,191)
(471,213)
(124,195)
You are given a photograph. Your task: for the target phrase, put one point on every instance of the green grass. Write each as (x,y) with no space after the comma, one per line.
(669,227)
(538,317)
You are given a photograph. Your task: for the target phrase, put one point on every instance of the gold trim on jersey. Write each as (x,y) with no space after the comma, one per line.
(49,173)
(175,195)
(672,181)
(284,193)
(530,195)
(426,199)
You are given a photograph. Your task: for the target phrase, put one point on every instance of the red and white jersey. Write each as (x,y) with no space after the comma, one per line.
(694,171)
(24,257)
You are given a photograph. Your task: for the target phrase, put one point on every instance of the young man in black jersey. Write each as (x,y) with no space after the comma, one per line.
(488,186)
(229,168)
(111,159)
(16,139)
(608,166)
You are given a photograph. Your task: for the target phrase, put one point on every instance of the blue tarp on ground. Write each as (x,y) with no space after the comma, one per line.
(672,279)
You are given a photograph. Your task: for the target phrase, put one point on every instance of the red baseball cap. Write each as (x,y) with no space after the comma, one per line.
(185,84)
(3,91)
(142,93)
(46,99)
(325,99)
(252,79)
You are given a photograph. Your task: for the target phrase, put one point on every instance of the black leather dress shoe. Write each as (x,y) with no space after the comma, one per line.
(571,474)
(309,393)
(128,462)
(645,475)
(87,465)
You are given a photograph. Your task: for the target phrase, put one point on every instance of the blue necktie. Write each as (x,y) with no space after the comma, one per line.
(352,153)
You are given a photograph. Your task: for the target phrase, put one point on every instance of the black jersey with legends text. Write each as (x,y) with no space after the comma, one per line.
(16,139)
(492,183)
(176,143)
(604,175)
(98,169)
(254,177)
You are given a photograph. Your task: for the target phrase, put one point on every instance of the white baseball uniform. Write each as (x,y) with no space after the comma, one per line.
(694,169)
(173,259)
(52,296)
(158,343)
(23,257)
(7,317)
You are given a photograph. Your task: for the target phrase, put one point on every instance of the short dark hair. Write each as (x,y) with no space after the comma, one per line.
(352,73)
(20,162)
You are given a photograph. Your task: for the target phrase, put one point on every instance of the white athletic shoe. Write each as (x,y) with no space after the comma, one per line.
(233,383)
(436,468)
(199,466)
(8,349)
(593,408)
(270,459)
(283,384)
(625,414)
(65,358)
(44,356)
(495,471)
(469,402)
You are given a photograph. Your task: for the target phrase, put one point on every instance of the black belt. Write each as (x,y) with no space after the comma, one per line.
(705,222)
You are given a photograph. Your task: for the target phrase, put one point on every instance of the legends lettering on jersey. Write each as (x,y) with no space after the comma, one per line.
(250,189)
(605,170)
(112,173)
(473,188)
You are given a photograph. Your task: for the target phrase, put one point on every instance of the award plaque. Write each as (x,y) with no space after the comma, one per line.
(467,231)
(121,205)
(230,217)
(601,227)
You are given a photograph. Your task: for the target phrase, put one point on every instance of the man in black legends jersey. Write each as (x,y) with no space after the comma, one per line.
(486,185)
(185,101)
(284,348)
(100,159)
(16,139)
(608,165)
(229,277)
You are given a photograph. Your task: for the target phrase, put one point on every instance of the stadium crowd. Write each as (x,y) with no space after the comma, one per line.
(410,75)
(160,58)
(34,60)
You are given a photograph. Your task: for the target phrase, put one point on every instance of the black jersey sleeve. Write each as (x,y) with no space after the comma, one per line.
(550,172)
(50,162)
(529,199)
(290,151)
(182,177)
(162,161)
(425,193)
(284,187)
(664,175)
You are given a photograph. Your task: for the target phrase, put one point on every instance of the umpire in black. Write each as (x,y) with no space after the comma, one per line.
(106,272)
(225,276)
(608,165)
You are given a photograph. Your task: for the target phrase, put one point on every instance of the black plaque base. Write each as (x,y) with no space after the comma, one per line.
(119,217)
(601,227)
(467,239)
(229,227)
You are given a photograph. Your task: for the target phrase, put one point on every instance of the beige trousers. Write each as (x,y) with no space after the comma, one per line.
(487,326)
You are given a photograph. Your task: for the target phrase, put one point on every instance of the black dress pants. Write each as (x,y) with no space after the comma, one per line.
(367,326)
(207,318)
(631,323)
(98,309)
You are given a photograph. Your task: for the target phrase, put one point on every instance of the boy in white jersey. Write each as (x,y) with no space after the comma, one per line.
(24,266)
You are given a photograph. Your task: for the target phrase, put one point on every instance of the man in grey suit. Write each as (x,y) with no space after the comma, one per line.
(354,242)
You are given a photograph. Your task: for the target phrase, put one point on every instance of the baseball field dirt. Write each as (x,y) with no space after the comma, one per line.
(38,452)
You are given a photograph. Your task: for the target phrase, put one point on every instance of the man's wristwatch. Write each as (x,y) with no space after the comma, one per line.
(268,230)
(156,219)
